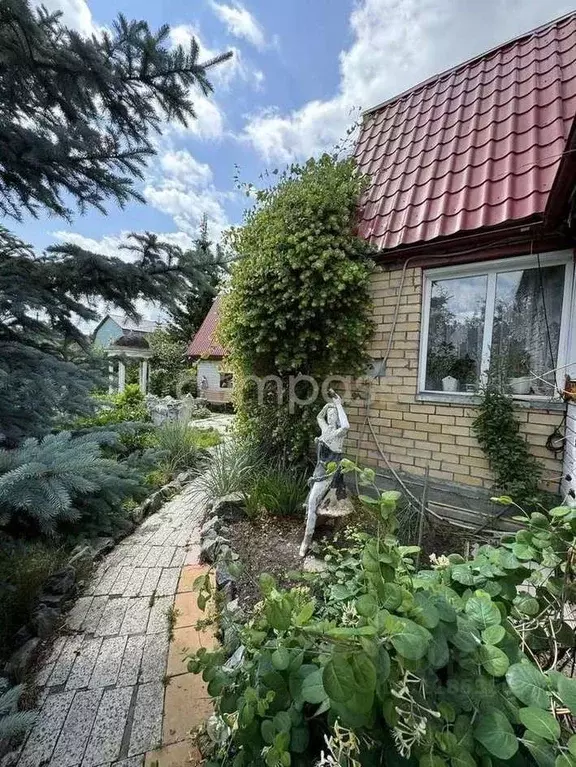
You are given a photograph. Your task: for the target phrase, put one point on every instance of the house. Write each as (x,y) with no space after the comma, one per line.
(213,379)
(470,207)
(124,339)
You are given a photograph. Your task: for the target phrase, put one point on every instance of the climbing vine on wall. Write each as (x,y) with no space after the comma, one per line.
(299,302)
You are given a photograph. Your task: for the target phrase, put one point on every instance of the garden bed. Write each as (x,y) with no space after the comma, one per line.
(268,544)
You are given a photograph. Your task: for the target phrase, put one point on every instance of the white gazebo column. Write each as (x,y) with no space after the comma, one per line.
(110,377)
(121,376)
(143,378)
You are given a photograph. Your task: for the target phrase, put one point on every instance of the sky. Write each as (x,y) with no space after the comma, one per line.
(301,71)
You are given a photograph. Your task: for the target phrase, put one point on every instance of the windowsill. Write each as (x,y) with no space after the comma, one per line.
(463,398)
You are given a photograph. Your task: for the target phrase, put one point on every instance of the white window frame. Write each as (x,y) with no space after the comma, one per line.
(566,361)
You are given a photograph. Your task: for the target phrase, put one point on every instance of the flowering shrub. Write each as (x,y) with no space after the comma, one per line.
(299,302)
(377,663)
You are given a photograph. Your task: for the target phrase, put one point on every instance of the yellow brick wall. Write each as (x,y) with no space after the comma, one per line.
(415,434)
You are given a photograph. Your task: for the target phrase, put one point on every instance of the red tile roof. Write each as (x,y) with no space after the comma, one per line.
(474,147)
(204,342)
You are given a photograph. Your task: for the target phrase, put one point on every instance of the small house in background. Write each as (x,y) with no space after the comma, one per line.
(213,379)
(470,205)
(123,339)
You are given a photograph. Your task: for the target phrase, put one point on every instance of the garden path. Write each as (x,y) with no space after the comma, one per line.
(114,686)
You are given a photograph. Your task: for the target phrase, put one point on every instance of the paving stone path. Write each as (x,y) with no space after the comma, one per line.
(115,687)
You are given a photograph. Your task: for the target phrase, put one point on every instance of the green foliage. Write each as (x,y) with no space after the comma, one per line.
(24,567)
(76,128)
(299,301)
(231,468)
(62,480)
(377,663)
(124,413)
(180,445)
(12,721)
(170,373)
(277,490)
(515,470)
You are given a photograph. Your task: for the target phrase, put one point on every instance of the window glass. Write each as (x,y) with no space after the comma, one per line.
(455,333)
(526,329)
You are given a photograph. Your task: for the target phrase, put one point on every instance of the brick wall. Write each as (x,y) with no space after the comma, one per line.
(415,434)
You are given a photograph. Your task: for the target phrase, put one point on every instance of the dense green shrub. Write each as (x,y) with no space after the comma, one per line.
(299,302)
(170,373)
(377,663)
(516,471)
(60,480)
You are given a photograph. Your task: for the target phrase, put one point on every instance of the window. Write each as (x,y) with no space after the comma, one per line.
(507,319)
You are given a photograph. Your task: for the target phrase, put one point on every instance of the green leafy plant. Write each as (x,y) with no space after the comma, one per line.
(458,665)
(516,471)
(277,490)
(299,301)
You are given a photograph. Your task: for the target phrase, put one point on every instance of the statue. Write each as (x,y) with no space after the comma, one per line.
(334,426)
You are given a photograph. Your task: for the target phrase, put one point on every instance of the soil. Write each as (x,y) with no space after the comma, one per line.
(266,545)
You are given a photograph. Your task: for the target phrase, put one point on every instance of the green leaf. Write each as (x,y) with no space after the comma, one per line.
(565,760)
(367,606)
(339,592)
(572,745)
(267,583)
(283,721)
(540,722)
(338,679)
(527,605)
(494,661)
(560,511)
(493,634)
(567,692)
(523,551)
(528,684)
(483,611)
(467,638)
(463,574)
(438,652)
(268,731)
(390,596)
(281,659)
(278,613)
(408,638)
(543,753)
(364,672)
(463,758)
(495,733)
(431,760)
(368,500)
(313,689)
(426,613)
(299,738)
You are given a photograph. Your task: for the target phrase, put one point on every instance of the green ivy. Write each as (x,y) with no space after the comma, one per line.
(376,663)
(299,301)
(515,470)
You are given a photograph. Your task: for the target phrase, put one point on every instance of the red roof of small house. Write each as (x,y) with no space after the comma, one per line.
(204,343)
(472,148)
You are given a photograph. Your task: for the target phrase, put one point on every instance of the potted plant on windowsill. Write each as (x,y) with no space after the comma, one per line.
(518,370)
(464,371)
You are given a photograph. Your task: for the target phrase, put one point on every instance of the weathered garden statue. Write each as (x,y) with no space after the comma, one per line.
(334,426)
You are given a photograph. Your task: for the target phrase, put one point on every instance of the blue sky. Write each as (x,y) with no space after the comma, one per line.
(301,68)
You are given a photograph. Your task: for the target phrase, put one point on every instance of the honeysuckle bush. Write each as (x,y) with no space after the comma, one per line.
(298,303)
(375,662)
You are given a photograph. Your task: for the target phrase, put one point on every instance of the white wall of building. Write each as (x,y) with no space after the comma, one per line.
(210,369)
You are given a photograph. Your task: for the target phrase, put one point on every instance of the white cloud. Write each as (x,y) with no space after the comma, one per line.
(182,187)
(240,23)
(110,245)
(75,14)
(180,165)
(396,44)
